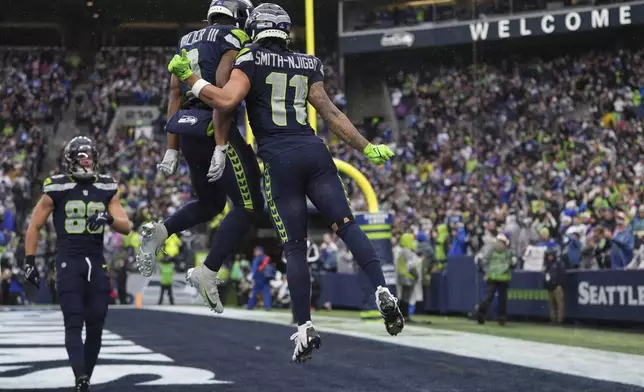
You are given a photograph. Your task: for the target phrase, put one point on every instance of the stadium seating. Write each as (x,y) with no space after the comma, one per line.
(35,85)
(473,155)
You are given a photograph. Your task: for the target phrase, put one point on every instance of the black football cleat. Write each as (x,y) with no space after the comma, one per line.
(82,384)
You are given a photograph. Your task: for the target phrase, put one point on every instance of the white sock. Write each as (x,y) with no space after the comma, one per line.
(302,328)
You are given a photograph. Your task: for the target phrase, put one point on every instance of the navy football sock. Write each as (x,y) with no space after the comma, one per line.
(228,237)
(363,252)
(299,280)
(93,337)
(188,216)
(74,344)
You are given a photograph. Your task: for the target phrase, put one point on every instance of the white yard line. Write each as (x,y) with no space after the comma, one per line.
(576,361)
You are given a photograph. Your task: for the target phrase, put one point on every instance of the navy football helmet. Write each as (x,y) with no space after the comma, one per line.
(80,157)
(236,9)
(269,20)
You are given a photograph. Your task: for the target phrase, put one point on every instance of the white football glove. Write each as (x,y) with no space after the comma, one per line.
(168,165)
(217,163)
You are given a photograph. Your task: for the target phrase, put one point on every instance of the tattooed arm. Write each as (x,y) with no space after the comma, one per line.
(334,118)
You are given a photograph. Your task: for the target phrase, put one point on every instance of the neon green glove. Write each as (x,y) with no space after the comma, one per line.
(180,66)
(378,154)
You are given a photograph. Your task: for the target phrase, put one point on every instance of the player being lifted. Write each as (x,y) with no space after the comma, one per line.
(211,52)
(276,84)
(82,202)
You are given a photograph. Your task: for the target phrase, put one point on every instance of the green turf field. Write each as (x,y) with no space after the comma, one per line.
(617,341)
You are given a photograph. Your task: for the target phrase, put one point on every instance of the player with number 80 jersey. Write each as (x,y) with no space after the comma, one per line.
(82,202)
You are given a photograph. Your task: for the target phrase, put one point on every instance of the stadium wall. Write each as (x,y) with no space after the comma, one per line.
(609,295)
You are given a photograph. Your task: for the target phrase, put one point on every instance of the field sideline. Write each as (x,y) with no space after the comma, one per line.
(620,341)
(188,348)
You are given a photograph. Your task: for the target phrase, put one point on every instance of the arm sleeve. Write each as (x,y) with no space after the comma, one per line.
(245,62)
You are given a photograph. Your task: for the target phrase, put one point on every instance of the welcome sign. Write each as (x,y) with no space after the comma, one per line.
(568,20)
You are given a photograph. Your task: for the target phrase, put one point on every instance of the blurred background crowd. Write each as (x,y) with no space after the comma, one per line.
(548,151)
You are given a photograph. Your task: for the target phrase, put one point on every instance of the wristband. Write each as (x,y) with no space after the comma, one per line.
(110,219)
(30,260)
(198,86)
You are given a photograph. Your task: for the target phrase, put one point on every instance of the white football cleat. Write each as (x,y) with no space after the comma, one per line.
(153,236)
(306,339)
(206,281)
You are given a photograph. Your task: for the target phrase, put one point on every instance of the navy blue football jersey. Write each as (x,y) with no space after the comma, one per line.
(206,47)
(74,202)
(277,100)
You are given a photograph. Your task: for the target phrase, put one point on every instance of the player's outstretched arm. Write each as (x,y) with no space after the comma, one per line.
(342,126)
(121,222)
(334,118)
(41,212)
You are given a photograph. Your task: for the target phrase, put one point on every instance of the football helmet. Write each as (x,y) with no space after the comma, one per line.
(269,20)
(80,157)
(236,9)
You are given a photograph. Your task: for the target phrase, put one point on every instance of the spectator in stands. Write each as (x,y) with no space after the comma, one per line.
(329,253)
(622,242)
(637,225)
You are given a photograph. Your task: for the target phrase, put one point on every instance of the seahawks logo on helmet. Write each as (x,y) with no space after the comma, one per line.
(269,20)
(236,9)
(80,157)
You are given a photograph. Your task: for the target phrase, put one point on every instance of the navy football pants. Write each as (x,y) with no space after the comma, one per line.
(292,176)
(83,291)
(288,179)
(240,181)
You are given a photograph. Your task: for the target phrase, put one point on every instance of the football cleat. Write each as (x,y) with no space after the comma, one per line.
(82,384)
(153,236)
(205,281)
(306,339)
(388,306)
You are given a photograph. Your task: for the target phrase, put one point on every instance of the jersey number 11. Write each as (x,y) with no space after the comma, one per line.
(279,81)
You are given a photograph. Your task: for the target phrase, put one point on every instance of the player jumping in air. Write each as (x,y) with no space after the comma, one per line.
(82,202)
(277,84)
(211,52)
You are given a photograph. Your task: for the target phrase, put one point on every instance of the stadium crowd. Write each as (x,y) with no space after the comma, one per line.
(35,88)
(475,158)
(548,152)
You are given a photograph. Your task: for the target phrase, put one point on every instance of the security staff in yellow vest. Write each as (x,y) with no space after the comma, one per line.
(167,277)
(497,266)
(408,273)
(171,249)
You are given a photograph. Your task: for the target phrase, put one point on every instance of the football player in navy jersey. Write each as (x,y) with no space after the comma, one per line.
(82,202)
(277,84)
(212,51)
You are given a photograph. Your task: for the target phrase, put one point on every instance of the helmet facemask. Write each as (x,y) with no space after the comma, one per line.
(81,161)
